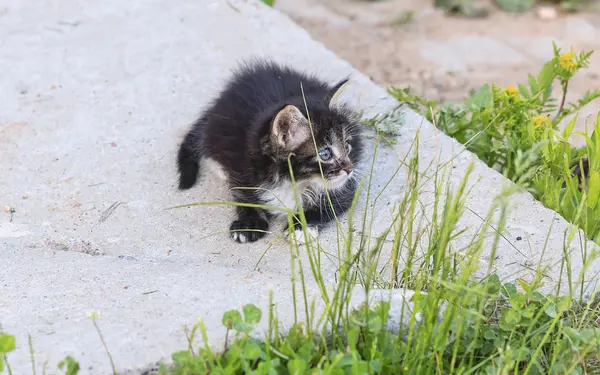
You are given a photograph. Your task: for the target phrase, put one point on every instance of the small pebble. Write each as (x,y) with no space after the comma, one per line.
(519,238)
(547,13)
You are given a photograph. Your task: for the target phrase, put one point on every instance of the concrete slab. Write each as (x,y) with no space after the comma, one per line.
(466,52)
(580,29)
(537,48)
(93,106)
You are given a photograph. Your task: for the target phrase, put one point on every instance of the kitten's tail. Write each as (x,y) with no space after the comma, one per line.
(188,162)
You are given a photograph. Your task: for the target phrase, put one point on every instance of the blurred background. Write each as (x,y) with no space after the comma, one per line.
(442,49)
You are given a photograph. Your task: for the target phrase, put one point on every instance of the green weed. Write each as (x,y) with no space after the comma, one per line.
(516,131)
(269,2)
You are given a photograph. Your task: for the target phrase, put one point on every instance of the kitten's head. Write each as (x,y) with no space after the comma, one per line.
(336,134)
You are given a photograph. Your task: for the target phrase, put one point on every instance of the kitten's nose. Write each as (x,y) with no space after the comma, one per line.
(346,165)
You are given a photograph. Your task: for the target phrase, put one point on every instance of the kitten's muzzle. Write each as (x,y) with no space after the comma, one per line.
(346,165)
(343,165)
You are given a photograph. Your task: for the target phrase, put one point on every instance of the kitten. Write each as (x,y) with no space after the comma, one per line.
(260,119)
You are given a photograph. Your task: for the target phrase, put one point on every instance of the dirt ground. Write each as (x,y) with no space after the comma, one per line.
(443,56)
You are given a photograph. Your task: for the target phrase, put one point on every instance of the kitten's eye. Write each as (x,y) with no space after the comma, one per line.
(325,154)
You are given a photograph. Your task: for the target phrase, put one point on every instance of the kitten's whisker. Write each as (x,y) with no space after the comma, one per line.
(248,188)
(214,234)
(218,116)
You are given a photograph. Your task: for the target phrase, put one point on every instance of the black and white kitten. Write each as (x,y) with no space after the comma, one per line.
(251,129)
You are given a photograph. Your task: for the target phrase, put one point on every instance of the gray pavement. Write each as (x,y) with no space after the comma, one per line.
(94,100)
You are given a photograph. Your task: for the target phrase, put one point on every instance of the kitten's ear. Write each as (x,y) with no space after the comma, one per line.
(290,128)
(336,92)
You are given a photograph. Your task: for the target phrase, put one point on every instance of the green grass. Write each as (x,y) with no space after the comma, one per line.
(516,131)
(269,2)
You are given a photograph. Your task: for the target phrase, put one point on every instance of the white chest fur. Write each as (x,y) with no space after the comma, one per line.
(285,195)
(281,195)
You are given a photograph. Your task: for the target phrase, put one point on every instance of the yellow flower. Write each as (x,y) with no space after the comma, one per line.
(540,121)
(567,61)
(512,91)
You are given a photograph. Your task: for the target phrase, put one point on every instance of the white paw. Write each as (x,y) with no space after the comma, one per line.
(239,237)
(311,232)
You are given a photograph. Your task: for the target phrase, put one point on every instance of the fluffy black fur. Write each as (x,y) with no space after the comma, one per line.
(255,124)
